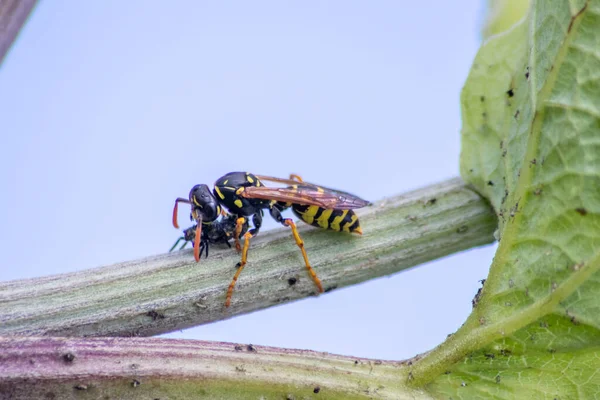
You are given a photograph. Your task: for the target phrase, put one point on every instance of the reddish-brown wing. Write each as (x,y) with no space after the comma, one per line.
(304,193)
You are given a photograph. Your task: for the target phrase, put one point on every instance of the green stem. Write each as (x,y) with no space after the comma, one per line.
(171,292)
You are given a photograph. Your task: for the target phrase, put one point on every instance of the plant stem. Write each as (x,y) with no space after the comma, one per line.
(171,292)
(147,368)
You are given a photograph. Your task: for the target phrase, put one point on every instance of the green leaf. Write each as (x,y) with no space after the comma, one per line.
(502,14)
(531,145)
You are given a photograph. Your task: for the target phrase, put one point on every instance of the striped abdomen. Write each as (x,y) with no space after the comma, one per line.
(337,220)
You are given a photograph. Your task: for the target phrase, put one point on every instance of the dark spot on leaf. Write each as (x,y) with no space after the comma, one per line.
(533,162)
(505,352)
(497,378)
(537,191)
(517,114)
(330,288)
(462,229)
(317,389)
(490,183)
(581,211)
(527,72)
(135,383)
(250,348)
(292,281)
(378,362)
(490,356)
(543,324)
(238,347)
(510,93)
(431,201)
(355,362)
(447,372)
(155,315)
(551,351)
(482,98)
(80,387)
(475,300)
(68,357)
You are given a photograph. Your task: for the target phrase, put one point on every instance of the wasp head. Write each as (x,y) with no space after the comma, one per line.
(204,205)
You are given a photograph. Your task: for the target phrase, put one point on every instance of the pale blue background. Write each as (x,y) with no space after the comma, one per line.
(109,110)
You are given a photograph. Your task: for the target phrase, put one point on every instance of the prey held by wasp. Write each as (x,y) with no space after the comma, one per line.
(245,196)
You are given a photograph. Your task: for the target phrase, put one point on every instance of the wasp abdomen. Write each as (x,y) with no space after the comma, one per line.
(336,220)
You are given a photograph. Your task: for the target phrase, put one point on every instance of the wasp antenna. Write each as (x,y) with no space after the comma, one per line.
(175,208)
(197,241)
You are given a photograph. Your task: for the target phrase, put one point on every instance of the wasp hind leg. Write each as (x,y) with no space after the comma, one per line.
(296,177)
(276,214)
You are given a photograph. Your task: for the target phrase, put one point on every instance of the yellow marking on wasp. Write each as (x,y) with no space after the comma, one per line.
(320,190)
(347,225)
(323,219)
(240,190)
(219,192)
(335,224)
(238,203)
(229,188)
(308,216)
(196,202)
(225,182)
(249,179)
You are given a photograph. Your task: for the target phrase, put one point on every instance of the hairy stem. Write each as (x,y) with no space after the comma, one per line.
(147,368)
(170,292)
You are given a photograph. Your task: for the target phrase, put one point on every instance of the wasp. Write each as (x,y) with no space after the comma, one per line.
(218,232)
(245,196)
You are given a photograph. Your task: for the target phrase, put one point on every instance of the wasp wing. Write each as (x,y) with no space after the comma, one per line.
(307,195)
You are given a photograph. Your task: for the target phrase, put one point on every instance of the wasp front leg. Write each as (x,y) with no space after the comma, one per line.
(239,224)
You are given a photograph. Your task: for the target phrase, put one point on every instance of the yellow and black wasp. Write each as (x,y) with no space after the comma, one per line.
(244,195)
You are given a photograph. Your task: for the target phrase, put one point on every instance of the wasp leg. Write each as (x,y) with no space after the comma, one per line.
(177,242)
(295,177)
(240,267)
(239,223)
(276,214)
